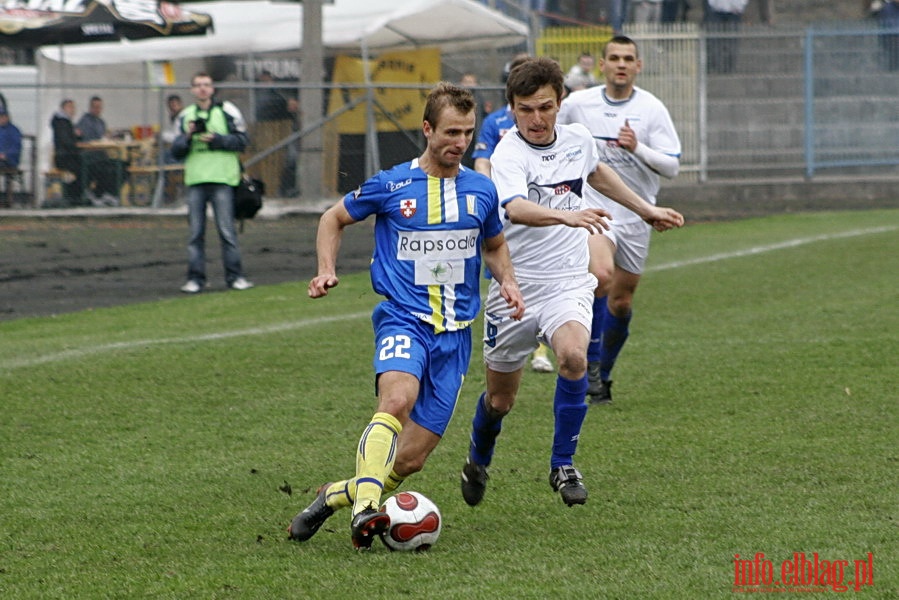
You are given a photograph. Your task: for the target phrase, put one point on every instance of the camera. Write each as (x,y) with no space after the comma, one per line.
(199,125)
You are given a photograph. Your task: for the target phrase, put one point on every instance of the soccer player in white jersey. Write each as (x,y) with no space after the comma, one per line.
(494,127)
(434,222)
(541,171)
(636,137)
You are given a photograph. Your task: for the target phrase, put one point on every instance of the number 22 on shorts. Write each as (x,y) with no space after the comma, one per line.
(395,346)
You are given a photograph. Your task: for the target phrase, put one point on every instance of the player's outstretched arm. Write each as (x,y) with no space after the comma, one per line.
(524,212)
(327,246)
(607,182)
(663,218)
(497,259)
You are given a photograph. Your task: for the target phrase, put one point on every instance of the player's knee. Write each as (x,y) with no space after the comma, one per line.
(620,306)
(499,404)
(572,365)
(603,274)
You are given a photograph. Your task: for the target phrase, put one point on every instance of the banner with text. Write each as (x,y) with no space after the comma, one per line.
(403,106)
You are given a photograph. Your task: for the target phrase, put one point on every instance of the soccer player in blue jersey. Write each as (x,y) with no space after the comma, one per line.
(435,221)
(542,171)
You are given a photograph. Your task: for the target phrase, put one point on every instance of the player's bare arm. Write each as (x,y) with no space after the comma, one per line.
(524,212)
(327,245)
(607,182)
(496,257)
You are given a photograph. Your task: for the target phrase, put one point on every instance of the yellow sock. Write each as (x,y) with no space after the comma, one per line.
(374,459)
(340,494)
(541,350)
(393,481)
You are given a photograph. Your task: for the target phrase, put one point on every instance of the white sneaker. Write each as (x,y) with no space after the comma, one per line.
(191,287)
(542,364)
(241,284)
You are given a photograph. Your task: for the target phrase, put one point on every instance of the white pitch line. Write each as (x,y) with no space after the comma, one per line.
(769,248)
(281,327)
(89,350)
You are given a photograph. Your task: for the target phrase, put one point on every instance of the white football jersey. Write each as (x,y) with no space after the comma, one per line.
(553,176)
(649,119)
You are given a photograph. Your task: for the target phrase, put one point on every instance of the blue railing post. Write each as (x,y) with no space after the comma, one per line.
(809,103)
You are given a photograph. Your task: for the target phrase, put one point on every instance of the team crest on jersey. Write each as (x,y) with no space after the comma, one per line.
(407,207)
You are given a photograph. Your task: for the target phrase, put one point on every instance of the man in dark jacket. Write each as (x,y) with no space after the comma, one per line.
(66,154)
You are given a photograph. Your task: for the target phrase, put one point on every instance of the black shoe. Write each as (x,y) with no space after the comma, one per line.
(474,482)
(305,524)
(599,390)
(366,526)
(567,481)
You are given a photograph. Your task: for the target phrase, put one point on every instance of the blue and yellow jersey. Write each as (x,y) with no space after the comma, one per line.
(428,237)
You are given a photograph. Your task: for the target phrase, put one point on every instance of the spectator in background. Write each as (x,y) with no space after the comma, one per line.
(10,141)
(675,11)
(66,154)
(103,173)
(888,18)
(274,122)
(618,14)
(483,107)
(289,186)
(174,105)
(647,11)
(91,123)
(723,18)
(270,104)
(580,76)
(10,151)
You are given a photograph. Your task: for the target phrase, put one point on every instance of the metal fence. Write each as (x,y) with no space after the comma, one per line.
(762,101)
(791,102)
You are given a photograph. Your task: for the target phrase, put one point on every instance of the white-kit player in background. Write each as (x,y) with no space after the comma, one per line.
(636,137)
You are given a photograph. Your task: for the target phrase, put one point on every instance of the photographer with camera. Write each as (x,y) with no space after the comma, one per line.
(212,136)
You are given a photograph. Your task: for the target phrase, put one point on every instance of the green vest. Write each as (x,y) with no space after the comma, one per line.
(202,164)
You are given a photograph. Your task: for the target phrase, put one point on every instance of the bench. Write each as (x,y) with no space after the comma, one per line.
(9,176)
(54,179)
(152,184)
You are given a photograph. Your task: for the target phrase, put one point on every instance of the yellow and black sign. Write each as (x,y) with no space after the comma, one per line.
(400,105)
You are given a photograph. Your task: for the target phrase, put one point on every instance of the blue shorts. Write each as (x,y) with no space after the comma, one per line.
(439,361)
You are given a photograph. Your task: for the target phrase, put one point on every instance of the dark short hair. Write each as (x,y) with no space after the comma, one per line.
(447,94)
(621,40)
(201,74)
(533,74)
(173,97)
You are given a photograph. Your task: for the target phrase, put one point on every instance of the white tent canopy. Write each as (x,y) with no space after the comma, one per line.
(263,26)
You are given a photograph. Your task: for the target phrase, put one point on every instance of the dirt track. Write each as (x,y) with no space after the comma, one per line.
(60,265)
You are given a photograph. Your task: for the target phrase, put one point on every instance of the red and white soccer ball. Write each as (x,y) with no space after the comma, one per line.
(415,522)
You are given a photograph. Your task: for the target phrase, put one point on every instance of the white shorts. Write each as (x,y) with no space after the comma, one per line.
(632,246)
(548,306)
